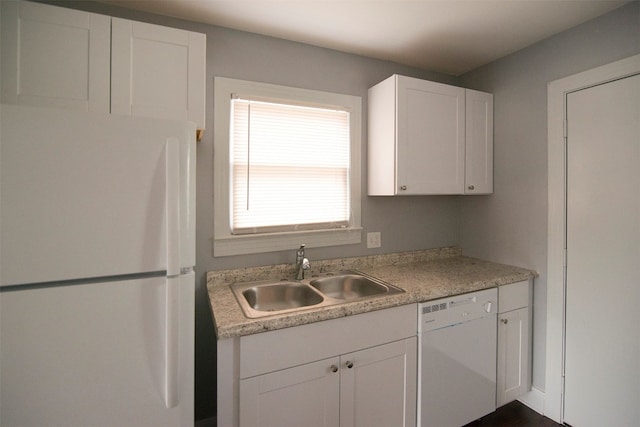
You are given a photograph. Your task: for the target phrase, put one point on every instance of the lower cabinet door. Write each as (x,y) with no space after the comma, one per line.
(513,376)
(378,386)
(306,395)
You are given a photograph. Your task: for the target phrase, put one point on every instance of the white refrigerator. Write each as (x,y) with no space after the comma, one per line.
(97,248)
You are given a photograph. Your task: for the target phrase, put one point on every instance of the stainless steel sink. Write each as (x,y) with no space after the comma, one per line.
(268,298)
(351,285)
(280,296)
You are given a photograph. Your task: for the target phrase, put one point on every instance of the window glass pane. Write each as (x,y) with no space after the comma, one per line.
(290,167)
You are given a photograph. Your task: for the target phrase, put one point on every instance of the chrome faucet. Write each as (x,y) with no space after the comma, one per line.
(302,263)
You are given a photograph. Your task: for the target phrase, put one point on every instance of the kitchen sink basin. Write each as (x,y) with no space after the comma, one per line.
(348,286)
(269,298)
(280,296)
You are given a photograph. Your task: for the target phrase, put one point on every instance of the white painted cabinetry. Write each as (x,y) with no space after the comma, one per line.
(55,57)
(429,138)
(157,71)
(478,176)
(341,372)
(306,395)
(376,383)
(65,58)
(363,388)
(514,341)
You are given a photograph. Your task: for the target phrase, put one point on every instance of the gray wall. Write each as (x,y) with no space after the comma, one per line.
(511,226)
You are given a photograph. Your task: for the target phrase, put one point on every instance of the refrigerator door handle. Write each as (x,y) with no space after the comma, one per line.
(172,342)
(172,159)
(172,309)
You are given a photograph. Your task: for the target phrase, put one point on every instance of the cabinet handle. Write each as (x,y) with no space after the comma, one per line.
(349,364)
(334,368)
(403,188)
(505,321)
(471,187)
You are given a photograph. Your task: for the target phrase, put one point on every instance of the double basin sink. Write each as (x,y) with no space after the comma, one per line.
(268,298)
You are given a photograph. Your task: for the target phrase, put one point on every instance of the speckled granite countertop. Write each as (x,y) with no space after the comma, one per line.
(424,275)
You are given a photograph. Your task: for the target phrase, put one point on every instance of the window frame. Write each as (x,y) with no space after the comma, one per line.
(224,242)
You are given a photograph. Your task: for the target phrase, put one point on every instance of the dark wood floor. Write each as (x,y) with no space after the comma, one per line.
(514,414)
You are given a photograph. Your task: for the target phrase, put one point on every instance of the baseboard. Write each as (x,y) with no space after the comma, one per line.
(534,400)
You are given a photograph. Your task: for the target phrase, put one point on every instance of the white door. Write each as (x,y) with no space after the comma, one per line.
(602,360)
(157,71)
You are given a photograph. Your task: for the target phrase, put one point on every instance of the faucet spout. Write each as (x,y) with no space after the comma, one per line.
(302,263)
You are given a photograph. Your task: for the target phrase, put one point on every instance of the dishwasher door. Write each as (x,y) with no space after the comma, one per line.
(458,360)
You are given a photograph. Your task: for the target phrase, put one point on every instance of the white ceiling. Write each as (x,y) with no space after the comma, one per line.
(448,36)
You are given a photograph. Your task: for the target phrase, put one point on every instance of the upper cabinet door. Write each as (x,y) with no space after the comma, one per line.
(430,120)
(157,72)
(479,147)
(55,57)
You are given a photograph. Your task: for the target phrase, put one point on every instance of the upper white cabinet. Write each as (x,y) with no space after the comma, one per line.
(429,138)
(55,57)
(478,165)
(58,57)
(157,71)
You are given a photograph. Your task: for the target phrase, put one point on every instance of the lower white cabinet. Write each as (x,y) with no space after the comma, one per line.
(364,388)
(353,371)
(306,395)
(514,342)
(377,384)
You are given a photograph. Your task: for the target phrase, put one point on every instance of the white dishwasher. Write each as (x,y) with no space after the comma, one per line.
(457,359)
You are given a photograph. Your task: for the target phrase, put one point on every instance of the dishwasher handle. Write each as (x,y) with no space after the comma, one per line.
(470,300)
(488,306)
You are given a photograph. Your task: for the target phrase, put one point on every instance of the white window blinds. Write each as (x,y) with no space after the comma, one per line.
(290,167)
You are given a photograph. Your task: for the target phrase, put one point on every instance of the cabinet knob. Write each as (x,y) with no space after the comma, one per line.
(334,368)
(505,321)
(403,188)
(471,187)
(349,364)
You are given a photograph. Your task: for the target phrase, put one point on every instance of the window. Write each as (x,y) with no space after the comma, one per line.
(287,168)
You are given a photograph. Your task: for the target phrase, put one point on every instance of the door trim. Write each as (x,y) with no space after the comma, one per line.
(556,232)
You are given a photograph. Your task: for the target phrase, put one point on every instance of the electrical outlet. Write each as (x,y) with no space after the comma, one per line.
(374,240)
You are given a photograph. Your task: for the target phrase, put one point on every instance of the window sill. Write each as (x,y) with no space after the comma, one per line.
(259,243)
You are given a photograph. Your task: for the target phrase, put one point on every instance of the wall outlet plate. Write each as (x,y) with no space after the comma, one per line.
(374,240)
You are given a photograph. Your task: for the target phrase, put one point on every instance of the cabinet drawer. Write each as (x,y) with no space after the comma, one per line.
(271,351)
(514,296)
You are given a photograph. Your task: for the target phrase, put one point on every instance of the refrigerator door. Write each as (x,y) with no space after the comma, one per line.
(85,195)
(96,354)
